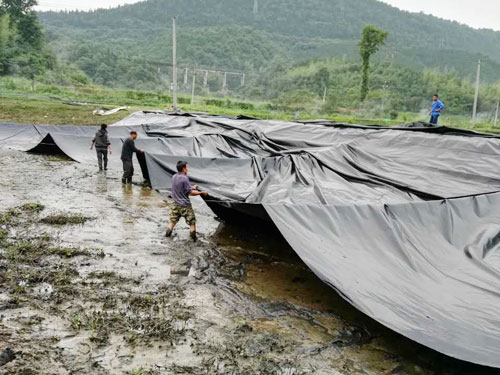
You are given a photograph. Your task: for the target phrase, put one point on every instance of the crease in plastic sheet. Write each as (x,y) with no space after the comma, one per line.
(403,222)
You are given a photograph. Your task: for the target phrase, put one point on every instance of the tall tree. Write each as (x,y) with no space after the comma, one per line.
(17,8)
(371,39)
(6,36)
(22,46)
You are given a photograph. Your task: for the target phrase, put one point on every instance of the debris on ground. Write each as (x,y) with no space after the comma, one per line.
(107,112)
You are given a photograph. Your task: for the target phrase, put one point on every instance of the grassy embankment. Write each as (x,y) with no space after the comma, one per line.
(49,104)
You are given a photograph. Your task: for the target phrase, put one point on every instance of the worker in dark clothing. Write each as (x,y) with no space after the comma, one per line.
(436,109)
(128,150)
(102,146)
(181,191)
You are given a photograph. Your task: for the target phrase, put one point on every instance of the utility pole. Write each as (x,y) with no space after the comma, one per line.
(496,114)
(174,66)
(392,55)
(384,88)
(192,88)
(224,82)
(476,95)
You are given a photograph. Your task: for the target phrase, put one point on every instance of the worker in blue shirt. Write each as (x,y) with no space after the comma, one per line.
(436,109)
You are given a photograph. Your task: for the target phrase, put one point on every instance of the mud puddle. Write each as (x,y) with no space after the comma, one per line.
(90,286)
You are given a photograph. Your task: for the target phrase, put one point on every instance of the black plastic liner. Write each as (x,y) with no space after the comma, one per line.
(403,222)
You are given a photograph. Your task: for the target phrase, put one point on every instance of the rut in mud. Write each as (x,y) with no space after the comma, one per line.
(90,286)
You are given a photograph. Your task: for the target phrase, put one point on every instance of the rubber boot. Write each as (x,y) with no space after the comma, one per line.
(168,233)
(193,236)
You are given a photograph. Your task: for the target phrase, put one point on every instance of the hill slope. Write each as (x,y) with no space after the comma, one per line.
(292,30)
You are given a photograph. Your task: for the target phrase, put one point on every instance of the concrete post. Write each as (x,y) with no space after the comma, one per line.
(224,82)
(496,114)
(174,66)
(476,95)
(192,88)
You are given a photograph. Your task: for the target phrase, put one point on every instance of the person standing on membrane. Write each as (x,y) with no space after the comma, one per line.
(128,150)
(102,145)
(181,191)
(436,109)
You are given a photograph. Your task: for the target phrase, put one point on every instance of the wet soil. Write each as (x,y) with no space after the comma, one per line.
(89,285)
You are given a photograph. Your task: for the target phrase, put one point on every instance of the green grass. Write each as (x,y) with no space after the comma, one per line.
(43,111)
(19,103)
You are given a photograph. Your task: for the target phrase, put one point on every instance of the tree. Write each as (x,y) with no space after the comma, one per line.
(30,31)
(371,40)
(322,80)
(6,36)
(17,8)
(22,46)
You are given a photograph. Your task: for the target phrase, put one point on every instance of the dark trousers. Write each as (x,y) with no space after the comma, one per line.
(128,171)
(434,119)
(102,156)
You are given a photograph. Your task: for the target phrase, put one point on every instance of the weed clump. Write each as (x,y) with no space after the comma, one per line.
(32,207)
(25,258)
(68,252)
(141,319)
(8,216)
(64,219)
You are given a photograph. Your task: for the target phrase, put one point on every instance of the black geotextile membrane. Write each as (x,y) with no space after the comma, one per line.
(403,222)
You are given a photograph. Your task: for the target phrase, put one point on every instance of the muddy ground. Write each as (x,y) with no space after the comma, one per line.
(89,285)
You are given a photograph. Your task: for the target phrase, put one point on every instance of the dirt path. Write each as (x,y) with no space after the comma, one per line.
(90,286)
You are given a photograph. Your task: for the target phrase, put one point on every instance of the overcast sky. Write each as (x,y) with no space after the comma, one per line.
(82,5)
(475,13)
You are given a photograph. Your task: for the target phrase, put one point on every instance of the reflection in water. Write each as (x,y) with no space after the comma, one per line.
(274,272)
(101,185)
(127,190)
(145,192)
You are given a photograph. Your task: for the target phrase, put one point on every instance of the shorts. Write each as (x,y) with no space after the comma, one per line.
(186,212)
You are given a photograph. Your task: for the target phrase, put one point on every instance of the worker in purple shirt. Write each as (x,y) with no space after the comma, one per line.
(436,109)
(181,191)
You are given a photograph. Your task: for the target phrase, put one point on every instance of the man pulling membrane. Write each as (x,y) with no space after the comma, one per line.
(128,150)
(181,191)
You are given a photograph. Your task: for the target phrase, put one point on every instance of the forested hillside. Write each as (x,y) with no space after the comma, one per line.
(248,34)
(143,65)
(297,55)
